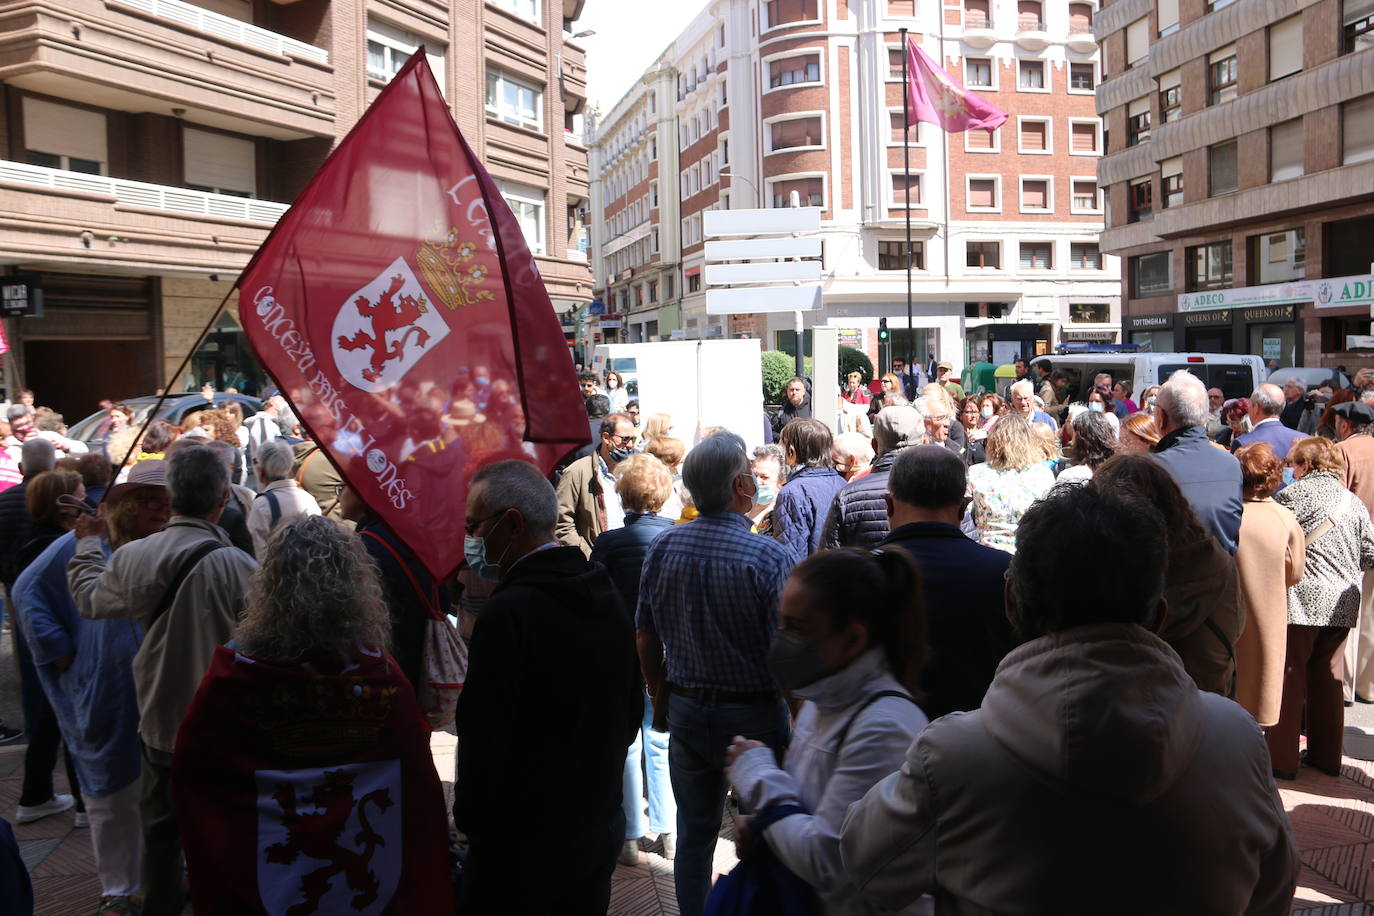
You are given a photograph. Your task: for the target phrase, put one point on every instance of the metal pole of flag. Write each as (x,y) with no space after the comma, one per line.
(906,179)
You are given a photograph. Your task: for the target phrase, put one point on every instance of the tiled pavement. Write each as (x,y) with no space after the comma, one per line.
(1333,818)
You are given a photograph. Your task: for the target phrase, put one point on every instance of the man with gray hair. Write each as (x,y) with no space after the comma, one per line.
(858,516)
(1022,396)
(708,608)
(36,456)
(281,498)
(185,587)
(551,702)
(1208,476)
(1266,403)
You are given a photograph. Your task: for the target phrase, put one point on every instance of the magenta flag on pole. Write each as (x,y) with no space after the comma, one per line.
(937,98)
(396,294)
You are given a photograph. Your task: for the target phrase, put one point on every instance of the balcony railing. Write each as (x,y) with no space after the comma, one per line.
(1029,24)
(973,20)
(142,194)
(220,26)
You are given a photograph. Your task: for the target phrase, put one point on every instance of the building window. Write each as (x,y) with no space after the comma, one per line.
(1285,48)
(1285,150)
(1151,275)
(978,72)
(1221,169)
(694,283)
(1171,178)
(1082,77)
(1029,16)
(1140,201)
(1278,257)
(528,206)
(653,290)
(810,192)
(389,47)
(65,137)
(1357,130)
(1214,5)
(218,163)
(906,190)
(1090,312)
(792,70)
(892,256)
(1166,16)
(796,133)
(894,63)
(1036,195)
(1037,256)
(1085,196)
(1222,77)
(1083,140)
(1170,97)
(1085,256)
(781,12)
(902,132)
(1357,32)
(976,14)
(653,195)
(1080,19)
(513,101)
(984,141)
(525,9)
(901,9)
(982,194)
(1034,136)
(1137,122)
(1209,267)
(983,255)
(1137,41)
(1030,74)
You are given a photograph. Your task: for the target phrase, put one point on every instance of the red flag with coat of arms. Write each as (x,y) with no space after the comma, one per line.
(395,294)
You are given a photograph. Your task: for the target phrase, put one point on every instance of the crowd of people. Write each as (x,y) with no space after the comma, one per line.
(1138,607)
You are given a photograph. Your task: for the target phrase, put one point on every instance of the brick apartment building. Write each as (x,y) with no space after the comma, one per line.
(758,102)
(148,146)
(1240,174)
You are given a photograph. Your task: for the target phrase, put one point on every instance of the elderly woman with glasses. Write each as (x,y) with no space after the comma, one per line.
(304,734)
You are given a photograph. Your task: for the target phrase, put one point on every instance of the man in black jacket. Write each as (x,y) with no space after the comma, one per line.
(962,582)
(552,700)
(858,516)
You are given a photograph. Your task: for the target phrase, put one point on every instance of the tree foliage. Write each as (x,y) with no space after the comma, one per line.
(778,367)
(853,360)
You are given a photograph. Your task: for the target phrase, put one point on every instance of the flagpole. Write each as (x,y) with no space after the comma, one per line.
(162,398)
(906,172)
(944,148)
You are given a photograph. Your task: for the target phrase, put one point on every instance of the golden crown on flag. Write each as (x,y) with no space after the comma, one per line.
(447,268)
(321,715)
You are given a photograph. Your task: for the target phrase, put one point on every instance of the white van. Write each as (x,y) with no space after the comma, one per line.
(1236,375)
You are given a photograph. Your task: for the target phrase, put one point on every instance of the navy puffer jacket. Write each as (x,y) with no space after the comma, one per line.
(858,516)
(802,506)
(621,551)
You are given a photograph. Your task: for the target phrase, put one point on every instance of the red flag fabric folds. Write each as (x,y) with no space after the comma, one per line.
(395,293)
(938,98)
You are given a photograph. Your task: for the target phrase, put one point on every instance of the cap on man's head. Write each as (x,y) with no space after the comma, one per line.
(898,427)
(1356,412)
(149,473)
(944,365)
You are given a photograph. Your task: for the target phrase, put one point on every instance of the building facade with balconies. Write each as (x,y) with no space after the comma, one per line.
(1240,175)
(801,100)
(147,147)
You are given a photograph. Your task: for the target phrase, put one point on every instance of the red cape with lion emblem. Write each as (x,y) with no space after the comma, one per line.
(396,291)
(307,787)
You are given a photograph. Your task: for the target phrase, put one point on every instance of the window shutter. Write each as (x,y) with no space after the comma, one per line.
(65,131)
(979,139)
(1033,135)
(1167,15)
(1170,80)
(1138,40)
(1033,195)
(1357,130)
(217,161)
(1171,167)
(982,192)
(1285,47)
(1285,150)
(1085,138)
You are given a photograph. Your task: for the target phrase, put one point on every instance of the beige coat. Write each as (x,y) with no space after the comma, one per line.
(1270,559)
(1094,779)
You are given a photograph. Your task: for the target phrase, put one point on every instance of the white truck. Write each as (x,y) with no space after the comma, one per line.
(700,383)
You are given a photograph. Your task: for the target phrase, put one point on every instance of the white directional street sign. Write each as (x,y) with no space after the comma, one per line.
(764,272)
(746,249)
(780,221)
(741,300)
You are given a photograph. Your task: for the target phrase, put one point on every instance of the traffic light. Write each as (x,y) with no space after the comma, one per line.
(882,330)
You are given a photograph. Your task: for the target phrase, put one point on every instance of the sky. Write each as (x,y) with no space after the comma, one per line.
(630,34)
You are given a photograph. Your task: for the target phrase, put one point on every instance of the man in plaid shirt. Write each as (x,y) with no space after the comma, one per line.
(708,608)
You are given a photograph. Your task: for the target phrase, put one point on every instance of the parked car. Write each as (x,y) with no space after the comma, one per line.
(1235,375)
(177,408)
(1311,376)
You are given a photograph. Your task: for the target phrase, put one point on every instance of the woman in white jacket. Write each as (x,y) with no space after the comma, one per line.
(855,662)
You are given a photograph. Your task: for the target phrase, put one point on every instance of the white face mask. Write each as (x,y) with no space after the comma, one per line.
(1097,407)
(987,411)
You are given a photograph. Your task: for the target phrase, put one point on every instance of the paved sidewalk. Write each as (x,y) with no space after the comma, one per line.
(1333,818)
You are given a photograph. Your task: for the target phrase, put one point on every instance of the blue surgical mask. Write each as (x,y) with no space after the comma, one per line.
(987,411)
(483,380)
(1288,476)
(620,453)
(1097,407)
(475,552)
(763,494)
(1150,400)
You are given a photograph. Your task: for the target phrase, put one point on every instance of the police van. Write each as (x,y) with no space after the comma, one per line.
(1237,375)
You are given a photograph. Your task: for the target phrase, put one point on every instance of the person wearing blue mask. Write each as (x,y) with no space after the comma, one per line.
(769,467)
(587,501)
(552,699)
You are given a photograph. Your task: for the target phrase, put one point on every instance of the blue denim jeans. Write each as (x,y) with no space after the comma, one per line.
(648,755)
(701,730)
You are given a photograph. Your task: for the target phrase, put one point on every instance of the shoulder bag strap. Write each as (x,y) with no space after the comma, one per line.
(198,553)
(1331,520)
(300,472)
(844,732)
(431,604)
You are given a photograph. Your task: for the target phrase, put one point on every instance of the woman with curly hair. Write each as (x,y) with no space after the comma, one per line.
(1014,476)
(304,711)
